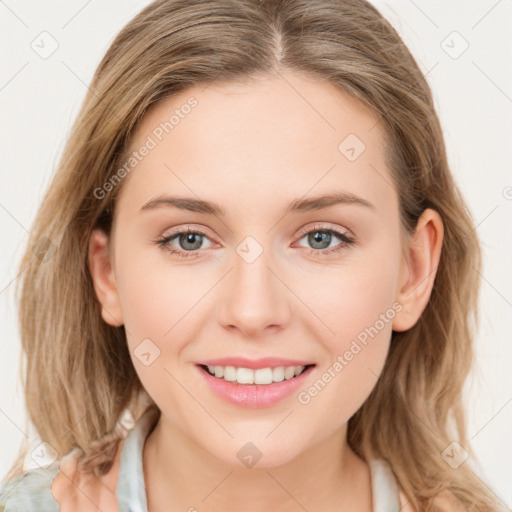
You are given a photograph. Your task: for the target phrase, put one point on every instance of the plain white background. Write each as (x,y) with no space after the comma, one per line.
(463,47)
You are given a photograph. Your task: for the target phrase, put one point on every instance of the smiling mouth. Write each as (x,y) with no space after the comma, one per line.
(262,376)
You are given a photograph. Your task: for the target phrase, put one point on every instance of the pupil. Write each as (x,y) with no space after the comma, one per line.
(320,237)
(190,238)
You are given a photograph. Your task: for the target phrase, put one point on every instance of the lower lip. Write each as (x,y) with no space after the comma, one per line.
(254,395)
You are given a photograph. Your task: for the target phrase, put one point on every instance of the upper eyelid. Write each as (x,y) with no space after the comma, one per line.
(325,227)
(184,230)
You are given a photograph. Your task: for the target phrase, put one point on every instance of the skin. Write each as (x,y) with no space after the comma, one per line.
(252,149)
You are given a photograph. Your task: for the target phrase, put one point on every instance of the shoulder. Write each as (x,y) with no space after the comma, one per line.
(405,505)
(60,487)
(30,492)
(74,489)
(445,501)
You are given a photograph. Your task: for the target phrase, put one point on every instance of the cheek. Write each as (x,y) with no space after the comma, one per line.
(155,294)
(364,297)
(356,312)
(157,303)
(352,296)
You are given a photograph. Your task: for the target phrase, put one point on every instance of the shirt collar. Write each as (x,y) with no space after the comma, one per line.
(131,491)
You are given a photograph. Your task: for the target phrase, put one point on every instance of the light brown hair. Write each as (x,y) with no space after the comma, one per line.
(79,376)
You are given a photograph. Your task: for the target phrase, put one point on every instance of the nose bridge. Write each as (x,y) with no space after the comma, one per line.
(254,298)
(252,262)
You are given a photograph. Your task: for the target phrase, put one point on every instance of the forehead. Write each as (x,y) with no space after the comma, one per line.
(287,132)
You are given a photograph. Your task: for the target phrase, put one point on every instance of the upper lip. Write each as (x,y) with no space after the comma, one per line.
(265,362)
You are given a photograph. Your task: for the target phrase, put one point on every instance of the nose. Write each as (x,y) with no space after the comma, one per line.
(254,298)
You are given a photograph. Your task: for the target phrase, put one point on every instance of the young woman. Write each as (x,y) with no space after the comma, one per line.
(253,244)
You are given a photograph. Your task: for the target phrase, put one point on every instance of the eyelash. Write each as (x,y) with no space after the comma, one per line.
(345,241)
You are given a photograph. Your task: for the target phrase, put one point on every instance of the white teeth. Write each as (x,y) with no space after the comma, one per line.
(245,376)
(263,376)
(289,372)
(298,370)
(230,373)
(278,374)
(259,376)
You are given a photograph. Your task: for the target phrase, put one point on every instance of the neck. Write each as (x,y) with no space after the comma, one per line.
(180,475)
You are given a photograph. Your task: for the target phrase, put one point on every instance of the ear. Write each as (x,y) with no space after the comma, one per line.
(418,269)
(104,279)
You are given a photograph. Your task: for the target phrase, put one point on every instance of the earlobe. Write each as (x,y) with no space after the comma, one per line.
(103,278)
(419,265)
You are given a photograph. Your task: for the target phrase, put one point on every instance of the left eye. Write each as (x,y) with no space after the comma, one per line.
(321,239)
(190,241)
(187,239)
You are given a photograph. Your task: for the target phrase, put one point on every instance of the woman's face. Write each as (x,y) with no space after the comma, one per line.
(266,278)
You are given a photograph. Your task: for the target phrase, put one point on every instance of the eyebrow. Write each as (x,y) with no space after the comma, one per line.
(296,206)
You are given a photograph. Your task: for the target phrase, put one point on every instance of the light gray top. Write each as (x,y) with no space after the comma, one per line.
(31,492)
